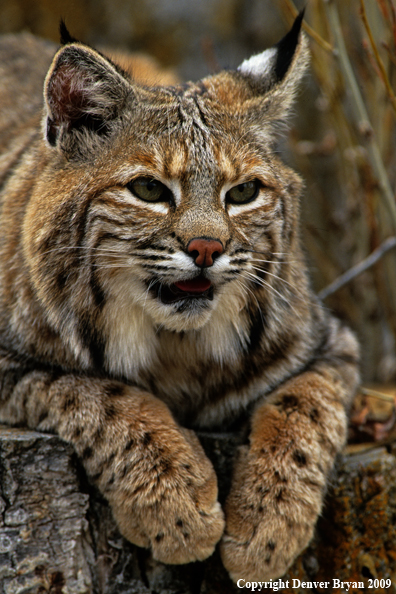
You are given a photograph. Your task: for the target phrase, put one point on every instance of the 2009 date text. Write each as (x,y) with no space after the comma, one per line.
(379,583)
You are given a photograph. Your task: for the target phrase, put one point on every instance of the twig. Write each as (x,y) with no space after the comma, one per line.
(389,52)
(364,265)
(376,394)
(393,13)
(362,115)
(384,9)
(377,57)
(371,58)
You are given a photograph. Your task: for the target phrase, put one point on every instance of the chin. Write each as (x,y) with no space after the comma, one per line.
(186,314)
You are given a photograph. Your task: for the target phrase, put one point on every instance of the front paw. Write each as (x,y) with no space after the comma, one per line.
(271,514)
(167,500)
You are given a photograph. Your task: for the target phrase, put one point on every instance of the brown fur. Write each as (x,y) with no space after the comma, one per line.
(92,345)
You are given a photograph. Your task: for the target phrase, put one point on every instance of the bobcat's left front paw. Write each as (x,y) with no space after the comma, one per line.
(270,518)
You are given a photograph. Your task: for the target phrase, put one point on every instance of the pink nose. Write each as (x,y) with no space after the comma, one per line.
(204,251)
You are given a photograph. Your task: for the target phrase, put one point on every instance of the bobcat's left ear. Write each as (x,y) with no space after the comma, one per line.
(271,79)
(84,94)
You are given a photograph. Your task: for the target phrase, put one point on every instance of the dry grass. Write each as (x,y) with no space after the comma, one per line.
(345,147)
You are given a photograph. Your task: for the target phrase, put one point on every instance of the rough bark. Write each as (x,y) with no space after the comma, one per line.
(57,534)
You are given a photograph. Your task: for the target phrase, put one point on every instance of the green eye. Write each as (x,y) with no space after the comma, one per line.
(149,189)
(243,193)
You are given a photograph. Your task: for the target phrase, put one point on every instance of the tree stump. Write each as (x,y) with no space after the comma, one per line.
(57,534)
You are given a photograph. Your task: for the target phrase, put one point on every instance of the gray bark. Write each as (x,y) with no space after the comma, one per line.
(57,534)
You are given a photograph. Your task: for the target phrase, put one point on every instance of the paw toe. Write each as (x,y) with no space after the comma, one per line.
(191,539)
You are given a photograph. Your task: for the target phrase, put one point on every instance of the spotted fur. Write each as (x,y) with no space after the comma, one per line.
(101,345)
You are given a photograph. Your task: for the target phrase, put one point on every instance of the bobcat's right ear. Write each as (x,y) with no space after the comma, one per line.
(84,93)
(263,88)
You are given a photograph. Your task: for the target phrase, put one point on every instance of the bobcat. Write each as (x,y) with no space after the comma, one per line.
(153,283)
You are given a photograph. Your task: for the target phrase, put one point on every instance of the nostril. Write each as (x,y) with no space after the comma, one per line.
(204,251)
(194,254)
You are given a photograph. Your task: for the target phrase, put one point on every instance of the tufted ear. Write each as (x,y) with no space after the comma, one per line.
(84,94)
(263,88)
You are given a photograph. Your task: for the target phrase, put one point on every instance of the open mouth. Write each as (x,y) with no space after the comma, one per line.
(195,288)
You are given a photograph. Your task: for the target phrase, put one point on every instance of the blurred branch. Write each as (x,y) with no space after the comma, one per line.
(376,394)
(389,52)
(392,10)
(377,57)
(362,115)
(353,272)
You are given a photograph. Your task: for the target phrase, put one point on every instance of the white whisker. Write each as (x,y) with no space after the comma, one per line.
(263,284)
(273,261)
(296,291)
(253,295)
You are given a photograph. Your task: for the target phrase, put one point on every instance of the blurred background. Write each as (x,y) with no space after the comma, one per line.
(342,138)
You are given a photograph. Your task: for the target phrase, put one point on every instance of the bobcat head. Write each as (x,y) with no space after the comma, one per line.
(170,204)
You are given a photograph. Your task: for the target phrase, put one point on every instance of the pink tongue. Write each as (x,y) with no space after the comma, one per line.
(195,285)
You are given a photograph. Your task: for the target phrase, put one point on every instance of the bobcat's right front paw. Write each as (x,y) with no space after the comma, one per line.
(165,498)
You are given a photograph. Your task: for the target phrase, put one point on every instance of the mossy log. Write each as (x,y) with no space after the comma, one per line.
(57,534)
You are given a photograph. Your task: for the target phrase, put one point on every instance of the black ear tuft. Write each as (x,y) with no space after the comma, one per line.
(287,47)
(65,36)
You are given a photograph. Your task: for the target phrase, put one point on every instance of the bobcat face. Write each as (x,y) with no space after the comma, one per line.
(179,224)
(206,221)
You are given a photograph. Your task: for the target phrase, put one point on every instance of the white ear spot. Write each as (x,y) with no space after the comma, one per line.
(259,65)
